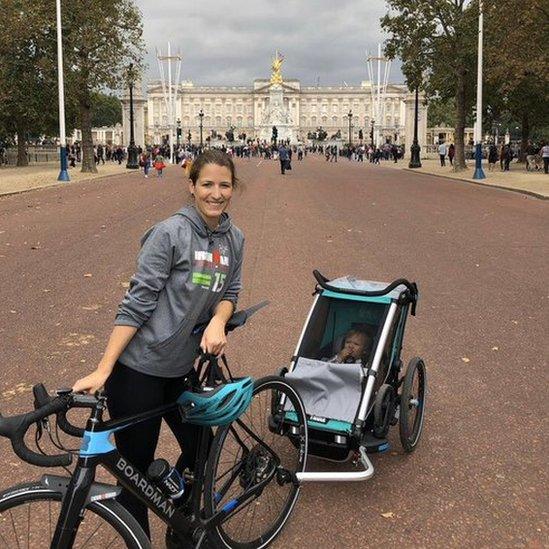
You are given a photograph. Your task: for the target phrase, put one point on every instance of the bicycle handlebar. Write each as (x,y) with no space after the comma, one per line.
(41,398)
(15,428)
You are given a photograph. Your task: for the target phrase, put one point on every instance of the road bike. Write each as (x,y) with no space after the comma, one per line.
(240,494)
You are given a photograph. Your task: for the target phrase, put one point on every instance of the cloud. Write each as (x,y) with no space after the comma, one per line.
(232,42)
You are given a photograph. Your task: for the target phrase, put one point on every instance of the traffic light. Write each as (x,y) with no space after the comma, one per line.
(178,132)
(360,134)
(275,133)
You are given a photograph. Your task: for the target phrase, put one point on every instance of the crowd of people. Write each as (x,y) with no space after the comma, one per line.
(362,153)
(156,157)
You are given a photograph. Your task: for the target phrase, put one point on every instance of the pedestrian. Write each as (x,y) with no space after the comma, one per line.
(451,153)
(501,156)
(100,154)
(72,160)
(188,273)
(492,157)
(442,151)
(145,163)
(507,157)
(394,152)
(545,156)
(378,153)
(283,157)
(159,165)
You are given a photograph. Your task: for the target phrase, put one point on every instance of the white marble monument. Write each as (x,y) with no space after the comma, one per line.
(276,113)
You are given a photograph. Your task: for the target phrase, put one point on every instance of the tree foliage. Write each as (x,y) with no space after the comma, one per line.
(102,37)
(106,110)
(517,61)
(435,39)
(27,80)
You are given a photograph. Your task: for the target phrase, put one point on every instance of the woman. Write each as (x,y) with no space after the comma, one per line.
(188,273)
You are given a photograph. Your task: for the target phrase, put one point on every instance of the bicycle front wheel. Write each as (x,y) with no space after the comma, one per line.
(252,466)
(29,513)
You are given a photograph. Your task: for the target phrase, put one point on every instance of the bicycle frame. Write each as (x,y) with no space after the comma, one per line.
(96,449)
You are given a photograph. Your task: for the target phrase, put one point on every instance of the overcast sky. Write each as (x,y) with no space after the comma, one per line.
(231,42)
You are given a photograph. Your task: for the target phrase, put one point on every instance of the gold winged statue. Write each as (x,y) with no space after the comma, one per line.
(276,66)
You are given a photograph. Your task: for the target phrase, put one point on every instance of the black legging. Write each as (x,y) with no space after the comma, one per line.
(130,392)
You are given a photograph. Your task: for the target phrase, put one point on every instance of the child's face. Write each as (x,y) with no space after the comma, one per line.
(355,345)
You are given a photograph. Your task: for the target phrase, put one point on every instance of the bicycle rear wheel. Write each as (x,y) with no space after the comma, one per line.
(259,450)
(29,513)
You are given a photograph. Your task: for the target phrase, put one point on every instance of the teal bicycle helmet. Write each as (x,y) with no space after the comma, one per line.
(219,406)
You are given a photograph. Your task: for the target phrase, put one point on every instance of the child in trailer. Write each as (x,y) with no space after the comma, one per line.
(356,344)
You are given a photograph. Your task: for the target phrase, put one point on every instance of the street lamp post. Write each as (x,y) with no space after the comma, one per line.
(350,117)
(479,173)
(415,149)
(372,132)
(132,163)
(63,173)
(201,116)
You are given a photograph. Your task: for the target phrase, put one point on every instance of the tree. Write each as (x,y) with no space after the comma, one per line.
(435,39)
(519,75)
(102,37)
(28,86)
(106,110)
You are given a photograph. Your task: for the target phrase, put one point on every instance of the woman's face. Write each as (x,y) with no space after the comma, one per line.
(212,192)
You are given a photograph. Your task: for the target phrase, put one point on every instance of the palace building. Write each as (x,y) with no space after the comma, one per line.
(295,110)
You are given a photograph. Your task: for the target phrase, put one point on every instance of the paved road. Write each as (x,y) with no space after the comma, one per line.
(478,477)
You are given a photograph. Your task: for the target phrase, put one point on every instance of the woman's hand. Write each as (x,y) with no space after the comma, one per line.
(93,382)
(214,339)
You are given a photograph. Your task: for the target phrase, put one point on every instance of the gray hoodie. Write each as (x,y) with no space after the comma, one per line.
(183,271)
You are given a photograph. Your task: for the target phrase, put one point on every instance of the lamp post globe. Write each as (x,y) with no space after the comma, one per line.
(132,163)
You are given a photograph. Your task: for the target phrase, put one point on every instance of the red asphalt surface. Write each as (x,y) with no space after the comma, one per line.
(480,257)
